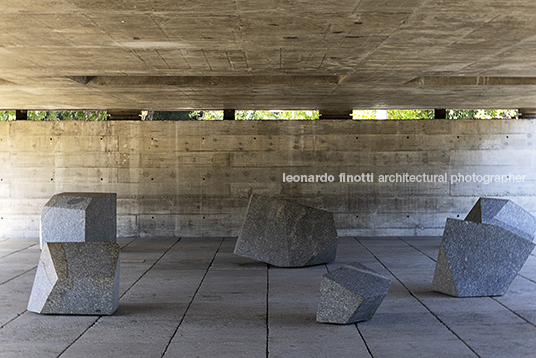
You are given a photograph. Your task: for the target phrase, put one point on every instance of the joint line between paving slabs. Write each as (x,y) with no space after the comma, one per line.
(364,341)
(493,298)
(514,312)
(124,293)
(526,278)
(417,249)
(14,252)
(130,242)
(19,275)
(14,318)
(417,298)
(193,298)
(160,258)
(357,327)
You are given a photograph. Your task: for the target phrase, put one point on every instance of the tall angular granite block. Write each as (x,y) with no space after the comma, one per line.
(478,259)
(286,234)
(505,214)
(79,217)
(77,278)
(350,294)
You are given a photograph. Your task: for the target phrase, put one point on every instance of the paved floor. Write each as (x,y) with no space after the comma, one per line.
(192,297)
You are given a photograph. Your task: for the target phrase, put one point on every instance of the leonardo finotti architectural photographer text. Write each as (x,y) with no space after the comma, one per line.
(404,178)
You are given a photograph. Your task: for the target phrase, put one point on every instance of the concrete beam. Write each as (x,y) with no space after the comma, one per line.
(228,114)
(440,113)
(527,113)
(336,113)
(21,114)
(124,115)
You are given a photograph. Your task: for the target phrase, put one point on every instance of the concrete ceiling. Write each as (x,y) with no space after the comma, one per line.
(267,54)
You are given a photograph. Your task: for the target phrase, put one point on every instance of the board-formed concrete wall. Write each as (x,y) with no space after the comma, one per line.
(194,178)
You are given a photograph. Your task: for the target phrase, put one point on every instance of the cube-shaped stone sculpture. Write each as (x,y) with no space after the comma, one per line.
(481,255)
(76,278)
(79,217)
(506,214)
(351,294)
(286,234)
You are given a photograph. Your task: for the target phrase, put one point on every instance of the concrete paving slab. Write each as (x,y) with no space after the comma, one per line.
(520,295)
(419,347)
(226,259)
(454,319)
(428,245)
(31,350)
(529,315)
(411,334)
(440,303)
(529,269)
(18,244)
(157,312)
(504,341)
(219,306)
(130,273)
(311,341)
(228,346)
(14,296)
(293,303)
(164,290)
(114,349)
(227,317)
(106,330)
(11,270)
(36,327)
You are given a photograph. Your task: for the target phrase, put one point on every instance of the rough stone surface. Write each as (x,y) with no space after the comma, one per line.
(350,294)
(77,278)
(478,259)
(79,217)
(286,234)
(506,214)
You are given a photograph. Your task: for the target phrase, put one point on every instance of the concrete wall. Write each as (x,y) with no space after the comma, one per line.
(193,178)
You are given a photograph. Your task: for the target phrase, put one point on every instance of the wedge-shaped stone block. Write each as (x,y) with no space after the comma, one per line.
(350,294)
(505,214)
(79,217)
(286,234)
(478,259)
(77,278)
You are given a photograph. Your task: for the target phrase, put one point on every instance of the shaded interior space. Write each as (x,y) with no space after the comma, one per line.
(192,297)
(183,186)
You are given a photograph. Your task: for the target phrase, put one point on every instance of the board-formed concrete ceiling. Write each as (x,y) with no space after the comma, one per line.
(267,54)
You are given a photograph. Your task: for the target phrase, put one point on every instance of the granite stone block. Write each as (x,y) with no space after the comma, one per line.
(79,217)
(505,214)
(351,294)
(477,259)
(77,278)
(286,234)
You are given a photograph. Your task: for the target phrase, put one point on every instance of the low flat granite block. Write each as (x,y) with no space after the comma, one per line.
(351,294)
(286,234)
(79,217)
(478,259)
(77,278)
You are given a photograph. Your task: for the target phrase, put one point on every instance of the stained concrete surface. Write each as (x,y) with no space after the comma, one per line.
(270,54)
(194,178)
(192,297)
